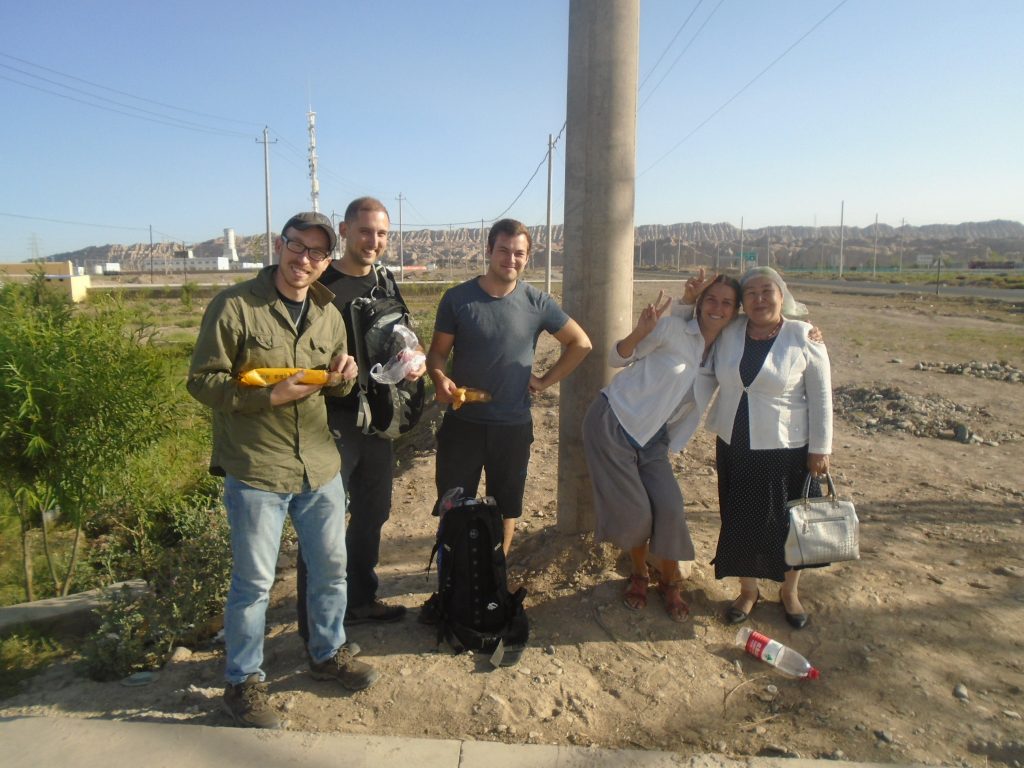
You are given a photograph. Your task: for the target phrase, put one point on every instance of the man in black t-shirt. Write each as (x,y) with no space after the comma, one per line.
(367,461)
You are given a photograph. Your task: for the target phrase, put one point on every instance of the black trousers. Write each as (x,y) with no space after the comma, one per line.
(465,449)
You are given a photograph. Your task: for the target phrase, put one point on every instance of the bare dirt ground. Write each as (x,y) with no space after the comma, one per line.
(919,643)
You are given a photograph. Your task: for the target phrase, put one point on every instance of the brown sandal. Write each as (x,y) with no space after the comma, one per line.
(635,596)
(675,606)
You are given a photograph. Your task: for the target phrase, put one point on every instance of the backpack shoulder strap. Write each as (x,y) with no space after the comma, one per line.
(385,280)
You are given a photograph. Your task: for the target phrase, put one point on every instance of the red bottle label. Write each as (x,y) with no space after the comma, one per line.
(756,644)
(763,647)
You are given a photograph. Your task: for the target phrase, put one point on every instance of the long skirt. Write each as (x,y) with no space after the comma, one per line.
(636,494)
(753,489)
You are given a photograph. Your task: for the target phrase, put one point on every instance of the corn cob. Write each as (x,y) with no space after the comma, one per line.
(268,377)
(465,395)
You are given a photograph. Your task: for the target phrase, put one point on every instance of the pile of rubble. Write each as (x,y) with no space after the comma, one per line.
(1000,370)
(875,409)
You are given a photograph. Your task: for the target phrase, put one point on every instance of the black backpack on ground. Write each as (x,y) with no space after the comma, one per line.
(388,410)
(473,607)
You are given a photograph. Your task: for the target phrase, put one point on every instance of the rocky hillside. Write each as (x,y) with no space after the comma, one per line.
(672,245)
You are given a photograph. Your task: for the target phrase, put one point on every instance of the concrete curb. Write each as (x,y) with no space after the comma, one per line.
(70,616)
(79,743)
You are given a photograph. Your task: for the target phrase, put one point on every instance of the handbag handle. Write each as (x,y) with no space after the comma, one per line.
(828,479)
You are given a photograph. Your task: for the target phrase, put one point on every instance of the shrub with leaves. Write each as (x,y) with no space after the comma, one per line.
(188,584)
(120,645)
(81,391)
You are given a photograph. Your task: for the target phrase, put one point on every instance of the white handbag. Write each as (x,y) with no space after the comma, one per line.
(822,530)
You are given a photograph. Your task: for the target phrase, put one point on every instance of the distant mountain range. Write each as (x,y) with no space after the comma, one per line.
(660,243)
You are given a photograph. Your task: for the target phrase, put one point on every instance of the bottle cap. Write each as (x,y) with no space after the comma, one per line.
(813,674)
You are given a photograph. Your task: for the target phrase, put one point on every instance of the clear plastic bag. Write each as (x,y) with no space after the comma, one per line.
(408,358)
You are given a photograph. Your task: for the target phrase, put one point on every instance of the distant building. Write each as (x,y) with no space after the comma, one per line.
(230,252)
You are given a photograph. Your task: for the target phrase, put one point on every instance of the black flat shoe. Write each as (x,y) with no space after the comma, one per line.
(734,615)
(796,620)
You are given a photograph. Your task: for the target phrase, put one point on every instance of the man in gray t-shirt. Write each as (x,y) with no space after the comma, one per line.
(491,325)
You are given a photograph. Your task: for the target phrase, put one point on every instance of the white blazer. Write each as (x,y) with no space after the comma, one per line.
(790,399)
(663,383)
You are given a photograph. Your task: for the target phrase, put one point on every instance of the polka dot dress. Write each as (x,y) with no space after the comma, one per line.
(753,488)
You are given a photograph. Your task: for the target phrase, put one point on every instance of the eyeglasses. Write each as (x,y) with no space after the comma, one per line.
(315,255)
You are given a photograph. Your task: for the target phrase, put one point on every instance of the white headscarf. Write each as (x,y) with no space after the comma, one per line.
(790,306)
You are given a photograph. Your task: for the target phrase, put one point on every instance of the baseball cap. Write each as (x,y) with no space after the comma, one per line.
(309,219)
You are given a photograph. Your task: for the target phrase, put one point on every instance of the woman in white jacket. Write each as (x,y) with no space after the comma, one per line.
(773,419)
(650,408)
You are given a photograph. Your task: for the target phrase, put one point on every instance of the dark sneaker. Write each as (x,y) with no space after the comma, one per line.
(429,612)
(377,612)
(342,666)
(248,703)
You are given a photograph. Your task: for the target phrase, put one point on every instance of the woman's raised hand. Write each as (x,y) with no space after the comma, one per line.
(694,286)
(652,313)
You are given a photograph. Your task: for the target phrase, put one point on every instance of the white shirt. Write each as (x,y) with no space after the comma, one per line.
(790,399)
(663,383)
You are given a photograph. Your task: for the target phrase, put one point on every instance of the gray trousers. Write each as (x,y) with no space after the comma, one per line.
(636,495)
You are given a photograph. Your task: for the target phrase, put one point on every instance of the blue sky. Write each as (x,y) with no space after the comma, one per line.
(905,108)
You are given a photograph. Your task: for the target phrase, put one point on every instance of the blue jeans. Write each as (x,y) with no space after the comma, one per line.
(257,519)
(367,468)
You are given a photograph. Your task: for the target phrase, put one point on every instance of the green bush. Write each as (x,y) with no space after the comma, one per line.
(120,646)
(83,391)
(188,583)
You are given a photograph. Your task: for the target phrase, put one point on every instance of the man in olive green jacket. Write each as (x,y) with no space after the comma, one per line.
(277,457)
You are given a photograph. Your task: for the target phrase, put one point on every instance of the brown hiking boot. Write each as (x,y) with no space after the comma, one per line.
(353,675)
(248,703)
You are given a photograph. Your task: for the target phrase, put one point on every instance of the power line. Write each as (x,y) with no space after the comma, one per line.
(324,171)
(172,238)
(167,122)
(669,46)
(753,80)
(681,53)
(300,152)
(184,123)
(540,165)
(516,200)
(125,93)
(406,201)
(73,223)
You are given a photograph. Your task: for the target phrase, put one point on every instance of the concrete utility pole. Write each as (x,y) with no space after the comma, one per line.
(742,263)
(268,259)
(547,274)
(600,168)
(401,246)
(874,250)
(903,234)
(842,233)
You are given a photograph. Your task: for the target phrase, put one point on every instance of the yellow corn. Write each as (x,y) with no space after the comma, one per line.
(268,377)
(465,395)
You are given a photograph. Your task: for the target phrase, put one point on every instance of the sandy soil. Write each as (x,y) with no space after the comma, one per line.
(919,642)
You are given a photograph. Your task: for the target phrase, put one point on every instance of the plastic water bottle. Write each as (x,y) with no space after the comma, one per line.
(786,660)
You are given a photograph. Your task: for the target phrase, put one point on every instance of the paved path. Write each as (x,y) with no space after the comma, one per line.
(30,742)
